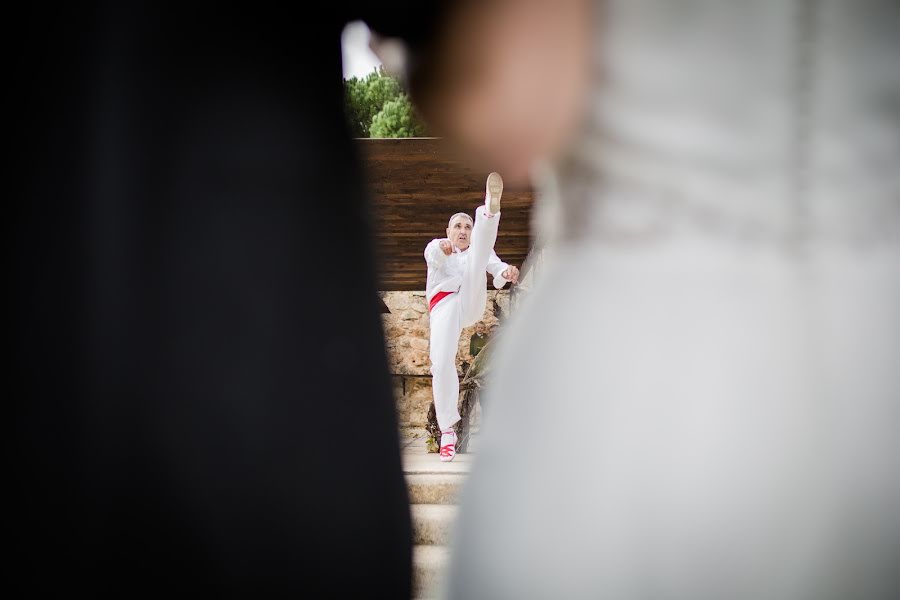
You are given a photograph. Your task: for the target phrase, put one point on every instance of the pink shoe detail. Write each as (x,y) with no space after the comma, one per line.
(448,446)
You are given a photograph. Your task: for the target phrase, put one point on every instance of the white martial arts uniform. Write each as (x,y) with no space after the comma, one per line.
(463,275)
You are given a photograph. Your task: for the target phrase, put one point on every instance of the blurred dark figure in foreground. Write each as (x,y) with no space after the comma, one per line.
(700,399)
(195,333)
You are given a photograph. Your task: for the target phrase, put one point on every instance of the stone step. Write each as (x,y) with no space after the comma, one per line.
(433,523)
(434,488)
(415,461)
(429,567)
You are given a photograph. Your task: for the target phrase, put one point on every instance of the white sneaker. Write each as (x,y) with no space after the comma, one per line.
(493,191)
(448,446)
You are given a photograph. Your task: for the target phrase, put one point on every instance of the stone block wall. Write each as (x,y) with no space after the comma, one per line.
(406,337)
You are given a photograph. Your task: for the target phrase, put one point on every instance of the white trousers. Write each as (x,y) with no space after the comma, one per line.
(456,311)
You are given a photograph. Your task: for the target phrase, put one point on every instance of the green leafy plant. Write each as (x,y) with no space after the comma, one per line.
(377,106)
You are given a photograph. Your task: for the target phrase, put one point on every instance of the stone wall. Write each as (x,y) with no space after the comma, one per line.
(406,335)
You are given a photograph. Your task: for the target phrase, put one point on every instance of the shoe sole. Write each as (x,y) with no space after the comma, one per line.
(495,190)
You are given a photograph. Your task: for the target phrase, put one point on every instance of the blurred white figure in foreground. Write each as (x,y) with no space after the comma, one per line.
(712,410)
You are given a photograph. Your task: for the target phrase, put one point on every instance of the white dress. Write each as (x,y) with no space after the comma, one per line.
(714,412)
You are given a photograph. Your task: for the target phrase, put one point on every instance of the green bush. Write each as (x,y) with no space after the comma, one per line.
(376,106)
(397,119)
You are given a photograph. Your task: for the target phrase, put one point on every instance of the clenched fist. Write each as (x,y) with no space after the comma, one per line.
(446,247)
(511,274)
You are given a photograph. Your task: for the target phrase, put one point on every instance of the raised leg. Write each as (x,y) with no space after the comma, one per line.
(473,290)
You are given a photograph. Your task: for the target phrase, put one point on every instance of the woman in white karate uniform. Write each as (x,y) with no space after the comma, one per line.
(457,295)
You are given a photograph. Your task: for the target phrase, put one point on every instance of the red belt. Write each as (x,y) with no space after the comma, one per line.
(437,298)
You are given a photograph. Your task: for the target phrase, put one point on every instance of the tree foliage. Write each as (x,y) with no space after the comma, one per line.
(379,97)
(397,119)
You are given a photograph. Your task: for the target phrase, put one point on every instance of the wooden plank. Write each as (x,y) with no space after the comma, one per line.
(415,184)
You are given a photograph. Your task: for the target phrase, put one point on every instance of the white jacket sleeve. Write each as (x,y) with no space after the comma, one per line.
(496,267)
(434,256)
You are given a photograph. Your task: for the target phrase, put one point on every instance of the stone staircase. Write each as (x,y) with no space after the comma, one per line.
(433,490)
